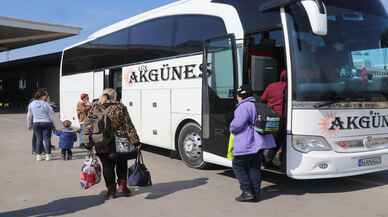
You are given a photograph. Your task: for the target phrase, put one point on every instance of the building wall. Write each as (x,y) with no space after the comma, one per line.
(50,80)
(17,86)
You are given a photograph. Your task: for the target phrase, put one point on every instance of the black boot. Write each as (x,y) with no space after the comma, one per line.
(64,157)
(110,193)
(246,197)
(257,197)
(122,188)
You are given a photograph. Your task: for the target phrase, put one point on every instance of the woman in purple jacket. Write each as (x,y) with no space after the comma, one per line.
(248,146)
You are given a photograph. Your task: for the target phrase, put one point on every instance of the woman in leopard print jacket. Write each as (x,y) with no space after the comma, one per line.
(123,127)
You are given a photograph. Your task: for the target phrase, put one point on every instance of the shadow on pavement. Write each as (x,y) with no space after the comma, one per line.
(283,185)
(58,207)
(163,189)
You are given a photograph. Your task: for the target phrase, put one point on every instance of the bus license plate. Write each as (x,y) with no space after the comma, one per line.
(366,162)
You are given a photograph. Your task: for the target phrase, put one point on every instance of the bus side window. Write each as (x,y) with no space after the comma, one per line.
(265,54)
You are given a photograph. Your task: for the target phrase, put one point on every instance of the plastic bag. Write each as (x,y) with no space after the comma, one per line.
(230,147)
(90,173)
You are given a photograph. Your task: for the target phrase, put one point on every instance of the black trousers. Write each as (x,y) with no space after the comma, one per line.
(68,151)
(109,167)
(247,169)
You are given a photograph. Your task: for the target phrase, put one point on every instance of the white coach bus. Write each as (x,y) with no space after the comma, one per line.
(336,108)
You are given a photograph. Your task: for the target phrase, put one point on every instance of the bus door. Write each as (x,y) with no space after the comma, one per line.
(113,79)
(98,84)
(219,82)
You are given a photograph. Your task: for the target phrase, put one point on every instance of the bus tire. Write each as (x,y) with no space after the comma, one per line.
(190,146)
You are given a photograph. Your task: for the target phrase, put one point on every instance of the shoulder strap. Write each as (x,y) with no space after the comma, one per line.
(139,158)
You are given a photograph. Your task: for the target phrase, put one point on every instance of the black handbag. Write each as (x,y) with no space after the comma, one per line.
(124,150)
(138,173)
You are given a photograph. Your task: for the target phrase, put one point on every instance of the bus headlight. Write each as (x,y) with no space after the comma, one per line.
(306,144)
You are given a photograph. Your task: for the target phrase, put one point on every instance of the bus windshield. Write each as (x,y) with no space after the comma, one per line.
(350,63)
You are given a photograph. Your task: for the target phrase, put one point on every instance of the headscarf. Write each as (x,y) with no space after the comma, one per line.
(83,96)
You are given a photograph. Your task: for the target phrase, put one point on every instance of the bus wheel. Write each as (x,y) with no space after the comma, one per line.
(190,146)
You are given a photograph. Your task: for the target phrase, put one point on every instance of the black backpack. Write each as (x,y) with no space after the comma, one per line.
(267,122)
(98,129)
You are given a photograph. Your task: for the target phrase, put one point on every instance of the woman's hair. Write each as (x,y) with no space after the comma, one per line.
(244,91)
(67,123)
(108,95)
(40,93)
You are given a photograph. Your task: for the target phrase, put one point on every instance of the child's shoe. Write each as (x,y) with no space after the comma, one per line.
(246,197)
(48,157)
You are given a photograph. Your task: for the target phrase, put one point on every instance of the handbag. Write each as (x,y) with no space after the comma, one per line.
(90,172)
(124,150)
(138,173)
(267,121)
(123,145)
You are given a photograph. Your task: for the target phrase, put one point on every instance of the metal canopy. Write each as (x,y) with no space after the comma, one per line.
(16,33)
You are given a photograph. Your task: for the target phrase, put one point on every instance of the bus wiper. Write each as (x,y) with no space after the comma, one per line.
(324,104)
(334,101)
(340,99)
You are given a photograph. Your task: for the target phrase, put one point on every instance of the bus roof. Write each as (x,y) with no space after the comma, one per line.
(138,18)
(177,8)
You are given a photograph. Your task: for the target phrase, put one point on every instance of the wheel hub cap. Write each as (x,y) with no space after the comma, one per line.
(192,145)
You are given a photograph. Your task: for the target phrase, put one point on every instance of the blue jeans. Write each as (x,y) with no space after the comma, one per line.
(34,143)
(42,132)
(247,169)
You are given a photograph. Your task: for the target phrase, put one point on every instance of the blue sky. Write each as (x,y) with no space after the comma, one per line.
(90,15)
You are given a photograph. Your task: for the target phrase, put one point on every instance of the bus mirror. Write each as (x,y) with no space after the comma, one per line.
(317,15)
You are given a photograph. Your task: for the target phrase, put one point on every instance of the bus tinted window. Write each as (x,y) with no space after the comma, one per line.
(189,39)
(251,18)
(120,38)
(153,39)
(158,32)
(110,50)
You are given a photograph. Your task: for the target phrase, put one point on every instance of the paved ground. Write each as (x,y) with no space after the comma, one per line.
(29,188)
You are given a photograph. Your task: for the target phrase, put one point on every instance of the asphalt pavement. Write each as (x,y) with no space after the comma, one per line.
(29,188)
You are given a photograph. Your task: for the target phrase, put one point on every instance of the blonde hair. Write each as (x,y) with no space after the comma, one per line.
(108,95)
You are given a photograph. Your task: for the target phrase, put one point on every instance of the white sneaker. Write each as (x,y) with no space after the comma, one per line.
(38,157)
(48,157)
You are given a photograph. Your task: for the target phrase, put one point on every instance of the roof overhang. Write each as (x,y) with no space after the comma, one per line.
(41,61)
(16,33)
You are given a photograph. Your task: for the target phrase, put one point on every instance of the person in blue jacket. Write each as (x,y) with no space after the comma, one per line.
(248,146)
(67,137)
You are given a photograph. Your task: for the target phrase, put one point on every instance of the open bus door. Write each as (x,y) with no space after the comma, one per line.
(113,79)
(219,82)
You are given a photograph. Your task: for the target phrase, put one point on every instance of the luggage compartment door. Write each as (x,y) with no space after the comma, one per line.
(156,118)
